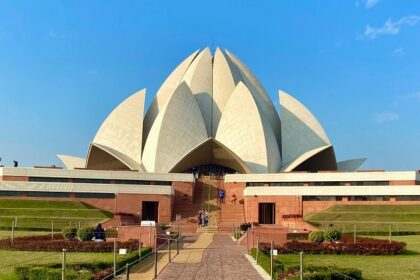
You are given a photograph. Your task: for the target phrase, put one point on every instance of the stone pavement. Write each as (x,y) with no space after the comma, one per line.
(223,259)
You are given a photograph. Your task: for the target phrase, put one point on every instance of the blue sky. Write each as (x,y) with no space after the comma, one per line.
(64,65)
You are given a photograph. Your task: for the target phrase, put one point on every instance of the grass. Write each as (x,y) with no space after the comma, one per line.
(37,214)
(404,266)
(9,259)
(8,233)
(368,218)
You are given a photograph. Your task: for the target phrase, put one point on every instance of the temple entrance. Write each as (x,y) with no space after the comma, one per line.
(150,211)
(211,170)
(267,213)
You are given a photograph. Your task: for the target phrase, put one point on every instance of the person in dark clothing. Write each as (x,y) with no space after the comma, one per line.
(200,213)
(221,196)
(99,233)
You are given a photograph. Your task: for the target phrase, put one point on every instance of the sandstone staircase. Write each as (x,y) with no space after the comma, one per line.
(209,202)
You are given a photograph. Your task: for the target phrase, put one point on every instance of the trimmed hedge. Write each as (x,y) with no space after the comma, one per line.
(69,233)
(364,246)
(75,271)
(44,243)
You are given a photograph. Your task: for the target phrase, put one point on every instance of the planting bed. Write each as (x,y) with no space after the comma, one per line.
(363,246)
(46,243)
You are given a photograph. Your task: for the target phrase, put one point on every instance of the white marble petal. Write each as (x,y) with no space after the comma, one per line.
(199,78)
(245,131)
(260,95)
(225,78)
(123,128)
(301,131)
(177,130)
(350,165)
(164,93)
(72,162)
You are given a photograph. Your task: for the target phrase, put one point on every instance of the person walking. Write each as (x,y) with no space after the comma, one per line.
(203,218)
(221,196)
(206,218)
(199,217)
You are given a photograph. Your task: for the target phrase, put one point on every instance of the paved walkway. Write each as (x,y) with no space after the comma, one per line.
(222,259)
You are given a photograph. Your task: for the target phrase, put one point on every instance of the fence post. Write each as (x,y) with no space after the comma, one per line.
(177,245)
(115,257)
(390,233)
(169,249)
(247,241)
(52,230)
(271,260)
(63,266)
(140,246)
(233,230)
(258,247)
(13,231)
(156,258)
(16,221)
(301,265)
(127,272)
(354,234)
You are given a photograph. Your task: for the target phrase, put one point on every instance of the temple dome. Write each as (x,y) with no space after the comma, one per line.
(210,110)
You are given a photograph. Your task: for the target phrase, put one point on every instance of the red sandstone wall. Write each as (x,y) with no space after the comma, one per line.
(293,205)
(184,192)
(14,178)
(234,188)
(403,183)
(132,203)
(136,232)
(284,205)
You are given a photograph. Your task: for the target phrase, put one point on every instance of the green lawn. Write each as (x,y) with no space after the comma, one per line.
(368,217)
(8,233)
(11,258)
(404,266)
(39,214)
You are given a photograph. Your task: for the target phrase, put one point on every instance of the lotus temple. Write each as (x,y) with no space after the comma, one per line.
(211,126)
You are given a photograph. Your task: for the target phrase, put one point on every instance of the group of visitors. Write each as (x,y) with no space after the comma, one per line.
(203,218)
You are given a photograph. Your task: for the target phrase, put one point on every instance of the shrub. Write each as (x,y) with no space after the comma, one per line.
(69,233)
(244,226)
(85,233)
(316,236)
(332,235)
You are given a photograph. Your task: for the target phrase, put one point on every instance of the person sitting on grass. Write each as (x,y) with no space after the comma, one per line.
(99,233)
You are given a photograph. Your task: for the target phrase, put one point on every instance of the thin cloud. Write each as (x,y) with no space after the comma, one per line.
(398,52)
(379,118)
(415,96)
(390,27)
(371,3)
